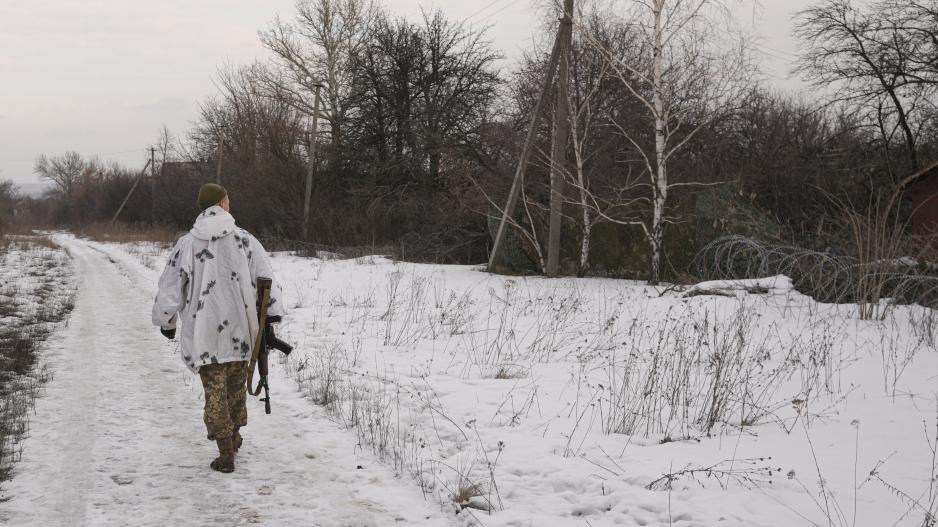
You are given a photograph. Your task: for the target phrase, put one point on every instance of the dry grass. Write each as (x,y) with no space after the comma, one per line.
(26,326)
(18,230)
(24,237)
(466,491)
(32,241)
(689,373)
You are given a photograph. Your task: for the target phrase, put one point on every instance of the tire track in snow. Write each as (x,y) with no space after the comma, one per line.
(118,439)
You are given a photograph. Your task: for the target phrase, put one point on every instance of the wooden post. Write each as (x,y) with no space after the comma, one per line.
(312,165)
(525,153)
(132,189)
(560,140)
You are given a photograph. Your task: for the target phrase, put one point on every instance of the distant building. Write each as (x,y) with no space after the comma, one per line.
(186,169)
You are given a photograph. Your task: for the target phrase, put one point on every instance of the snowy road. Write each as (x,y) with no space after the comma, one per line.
(118,439)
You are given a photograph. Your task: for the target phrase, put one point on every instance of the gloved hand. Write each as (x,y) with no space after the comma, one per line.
(168,333)
(273,319)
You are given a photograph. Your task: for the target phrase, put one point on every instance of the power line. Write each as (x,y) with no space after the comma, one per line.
(116,153)
(516,2)
(490,4)
(775,52)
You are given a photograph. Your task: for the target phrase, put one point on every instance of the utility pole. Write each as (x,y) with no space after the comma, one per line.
(560,140)
(518,181)
(152,184)
(218,161)
(140,176)
(312,163)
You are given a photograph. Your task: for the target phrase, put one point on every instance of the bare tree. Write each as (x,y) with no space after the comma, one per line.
(319,47)
(427,91)
(691,71)
(165,148)
(64,171)
(881,58)
(8,197)
(261,145)
(917,22)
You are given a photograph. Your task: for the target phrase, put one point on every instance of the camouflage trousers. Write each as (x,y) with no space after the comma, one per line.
(225,398)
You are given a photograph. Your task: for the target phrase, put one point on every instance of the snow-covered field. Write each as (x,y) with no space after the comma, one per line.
(603,402)
(532,402)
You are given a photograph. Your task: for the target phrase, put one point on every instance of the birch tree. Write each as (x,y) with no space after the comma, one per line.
(691,70)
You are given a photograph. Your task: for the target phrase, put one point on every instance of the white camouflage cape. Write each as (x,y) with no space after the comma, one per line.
(209,283)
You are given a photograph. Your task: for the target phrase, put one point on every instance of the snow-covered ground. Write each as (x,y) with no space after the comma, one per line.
(565,402)
(118,439)
(521,402)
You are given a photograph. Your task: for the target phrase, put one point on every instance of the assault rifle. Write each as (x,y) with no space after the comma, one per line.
(266,340)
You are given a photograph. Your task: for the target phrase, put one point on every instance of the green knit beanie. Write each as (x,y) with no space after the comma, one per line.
(211,194)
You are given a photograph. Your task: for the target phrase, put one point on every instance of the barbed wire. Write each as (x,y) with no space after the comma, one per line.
(825,276)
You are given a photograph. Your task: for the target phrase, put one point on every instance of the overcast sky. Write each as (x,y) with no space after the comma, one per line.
(103,76)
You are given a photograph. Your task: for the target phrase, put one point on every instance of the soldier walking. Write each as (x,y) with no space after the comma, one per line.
(208,287)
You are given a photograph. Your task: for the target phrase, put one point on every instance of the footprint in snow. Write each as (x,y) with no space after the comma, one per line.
(122,480)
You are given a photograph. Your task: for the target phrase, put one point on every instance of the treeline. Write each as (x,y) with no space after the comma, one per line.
(421,128)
